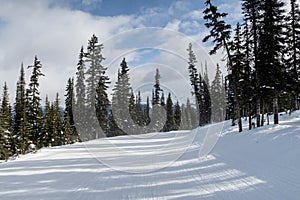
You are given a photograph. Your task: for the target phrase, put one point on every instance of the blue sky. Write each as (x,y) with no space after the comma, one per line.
(54,30)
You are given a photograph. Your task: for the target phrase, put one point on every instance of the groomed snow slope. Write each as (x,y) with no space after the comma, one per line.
(259,164)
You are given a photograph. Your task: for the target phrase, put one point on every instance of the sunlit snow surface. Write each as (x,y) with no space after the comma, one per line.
(260,164)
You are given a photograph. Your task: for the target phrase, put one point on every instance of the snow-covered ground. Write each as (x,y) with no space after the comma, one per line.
(259,164)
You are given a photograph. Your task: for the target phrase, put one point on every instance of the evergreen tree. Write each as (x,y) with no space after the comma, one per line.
(68,115)
(156,92)
(47,124)
(252,10)
(170,122)
(80,106)
(69,99)
(7,145)
(200,90)
(205,113)
(19,105)
(187,122)
(69,137)
(217,97)
(177,116)
(139,116)
(120,100)
(34,113)
(238,69)
(102,102)
(220,32)
(94,73)
(147,113)
(292,54)
(58,136)
(270,49)
(23,135)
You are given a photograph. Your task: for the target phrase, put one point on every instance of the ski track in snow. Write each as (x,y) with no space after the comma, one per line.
(259,164)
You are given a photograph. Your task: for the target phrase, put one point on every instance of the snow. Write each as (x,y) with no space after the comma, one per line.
(260,164)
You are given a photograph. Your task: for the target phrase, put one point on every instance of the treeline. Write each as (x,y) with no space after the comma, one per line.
(263,57)
(89,114)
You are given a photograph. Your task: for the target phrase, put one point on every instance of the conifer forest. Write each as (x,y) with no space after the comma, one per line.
(262,55)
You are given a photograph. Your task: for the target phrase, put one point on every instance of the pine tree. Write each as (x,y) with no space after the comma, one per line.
(69,137)
(170,121)
(69,115)
(147,113)
(102,102)
(23,135)
(34,113)
(20,123)
(19,105)
(187,121)
(205,113)
(47,124)
(194,78)
(139,116)
(58,136)
(200,90)
(120,101)
(217,97)
(270,49)
(7,145)
(80,107)
(220,32)
(252,10)
(69,99)
(94,72)
(238,69)
(249,86)
(156,92)
(292,54)
(177,116)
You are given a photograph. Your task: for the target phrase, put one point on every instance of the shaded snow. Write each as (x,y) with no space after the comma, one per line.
(259,164)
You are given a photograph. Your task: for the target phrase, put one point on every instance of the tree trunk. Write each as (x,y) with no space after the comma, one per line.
(275,109)
(262,112)
(296,101)
(258,112)
(250,118)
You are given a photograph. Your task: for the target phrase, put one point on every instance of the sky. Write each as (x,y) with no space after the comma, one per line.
(149,34)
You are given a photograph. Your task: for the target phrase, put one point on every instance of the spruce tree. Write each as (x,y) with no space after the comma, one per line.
(252,10)
(200,90)
(102,102)
(217,97)
(80,103)
(19,108)
(270,50)
(139,116)
(34,113)
(7,142)
(69,114)
(292,54)
(170,121)
(58,136)
(220,32)
(146,113)
(69,100)
(156,92)
(177,116)
(120,100)
(93,73)
(47,124)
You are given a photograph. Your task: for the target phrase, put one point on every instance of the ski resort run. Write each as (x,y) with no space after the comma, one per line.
(259,164)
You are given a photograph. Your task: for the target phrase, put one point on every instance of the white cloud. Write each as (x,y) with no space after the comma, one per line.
(55,35)
(173,25)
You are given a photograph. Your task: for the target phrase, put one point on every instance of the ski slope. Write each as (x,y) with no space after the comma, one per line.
(259,164)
